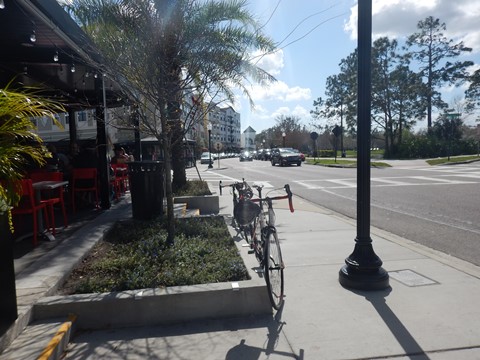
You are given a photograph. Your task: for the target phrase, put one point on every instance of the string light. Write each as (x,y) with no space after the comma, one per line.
(2,4)
(55,57)
(33,36)
(72,69)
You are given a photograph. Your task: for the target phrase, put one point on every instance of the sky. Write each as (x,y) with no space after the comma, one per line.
(313,36)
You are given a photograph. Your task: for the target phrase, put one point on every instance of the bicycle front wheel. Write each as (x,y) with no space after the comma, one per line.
(273,268)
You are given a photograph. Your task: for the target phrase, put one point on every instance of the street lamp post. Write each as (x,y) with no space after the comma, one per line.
(209,128)
(363,268)
(283,136)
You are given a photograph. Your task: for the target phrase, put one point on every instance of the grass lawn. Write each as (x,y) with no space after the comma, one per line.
(453,159)
(342,162)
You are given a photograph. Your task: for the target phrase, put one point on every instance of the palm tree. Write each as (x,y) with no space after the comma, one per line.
(163,50)
(19,145)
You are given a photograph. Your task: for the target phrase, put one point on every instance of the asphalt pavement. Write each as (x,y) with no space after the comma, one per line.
(429,311)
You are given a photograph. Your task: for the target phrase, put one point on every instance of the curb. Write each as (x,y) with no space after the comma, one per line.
(59,342)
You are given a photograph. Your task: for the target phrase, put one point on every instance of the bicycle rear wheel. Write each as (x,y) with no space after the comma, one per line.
(273,268)
(248,232)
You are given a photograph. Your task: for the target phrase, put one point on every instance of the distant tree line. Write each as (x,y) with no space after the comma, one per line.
(406,84)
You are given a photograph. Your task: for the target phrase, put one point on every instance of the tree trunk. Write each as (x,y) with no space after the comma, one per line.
(178,156)
(168,188)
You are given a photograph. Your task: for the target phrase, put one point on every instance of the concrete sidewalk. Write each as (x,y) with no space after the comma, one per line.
(430,310)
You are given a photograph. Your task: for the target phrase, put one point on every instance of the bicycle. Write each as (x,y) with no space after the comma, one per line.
(258,227)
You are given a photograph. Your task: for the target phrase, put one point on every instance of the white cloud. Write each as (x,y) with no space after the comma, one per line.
(260,111)
(280,91)
(399,18)
(297,111)
(271,63)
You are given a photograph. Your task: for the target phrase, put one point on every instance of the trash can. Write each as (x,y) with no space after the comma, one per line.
(146,188)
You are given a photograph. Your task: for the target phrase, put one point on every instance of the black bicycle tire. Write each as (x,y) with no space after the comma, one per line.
(247,233)
(273,274)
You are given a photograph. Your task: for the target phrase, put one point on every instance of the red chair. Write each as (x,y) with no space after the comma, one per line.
(84,180)
(121,173)
(50,197)
(28,205)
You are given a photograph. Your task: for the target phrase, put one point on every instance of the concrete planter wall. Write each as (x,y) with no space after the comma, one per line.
(159,306)
(165,305)
(207,204)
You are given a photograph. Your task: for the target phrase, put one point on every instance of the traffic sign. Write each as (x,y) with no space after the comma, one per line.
(337,130)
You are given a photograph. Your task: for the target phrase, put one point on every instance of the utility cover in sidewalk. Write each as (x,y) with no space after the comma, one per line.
(411,278)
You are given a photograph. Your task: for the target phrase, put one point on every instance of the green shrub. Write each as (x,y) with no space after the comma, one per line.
(326,153)
(193,188)
(135,255)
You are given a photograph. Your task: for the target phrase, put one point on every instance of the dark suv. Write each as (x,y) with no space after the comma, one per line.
(283,156)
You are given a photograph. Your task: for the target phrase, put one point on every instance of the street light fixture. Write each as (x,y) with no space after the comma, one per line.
(283,136)
(209,128)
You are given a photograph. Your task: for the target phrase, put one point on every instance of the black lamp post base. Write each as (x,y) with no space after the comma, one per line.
(352,278)
(363,269)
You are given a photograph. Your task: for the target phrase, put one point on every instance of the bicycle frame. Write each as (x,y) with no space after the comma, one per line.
(259,230)
(266,219)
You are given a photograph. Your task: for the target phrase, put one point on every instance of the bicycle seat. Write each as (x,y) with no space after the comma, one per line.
(245,212)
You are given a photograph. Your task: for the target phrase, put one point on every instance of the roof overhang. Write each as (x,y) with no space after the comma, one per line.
(60,46)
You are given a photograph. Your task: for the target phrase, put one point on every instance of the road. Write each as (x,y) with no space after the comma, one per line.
(437,206)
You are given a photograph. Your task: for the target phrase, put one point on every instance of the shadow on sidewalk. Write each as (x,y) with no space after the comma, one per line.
(398,330)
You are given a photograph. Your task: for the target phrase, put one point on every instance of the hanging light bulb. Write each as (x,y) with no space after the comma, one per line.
(33,36)
(2,4)
(55,57)
(72,69)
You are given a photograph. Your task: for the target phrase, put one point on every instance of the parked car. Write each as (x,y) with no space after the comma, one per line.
(266,154)
(246,156)
(205,158)
(285,156)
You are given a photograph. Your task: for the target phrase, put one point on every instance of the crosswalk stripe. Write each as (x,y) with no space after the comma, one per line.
(432,179)
(390,181)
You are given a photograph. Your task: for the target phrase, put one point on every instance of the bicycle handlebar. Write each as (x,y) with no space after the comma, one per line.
(288,196)
(220,186)
(239,186)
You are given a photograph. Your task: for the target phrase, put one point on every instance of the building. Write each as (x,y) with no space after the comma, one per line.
(225,128)
(248,139)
